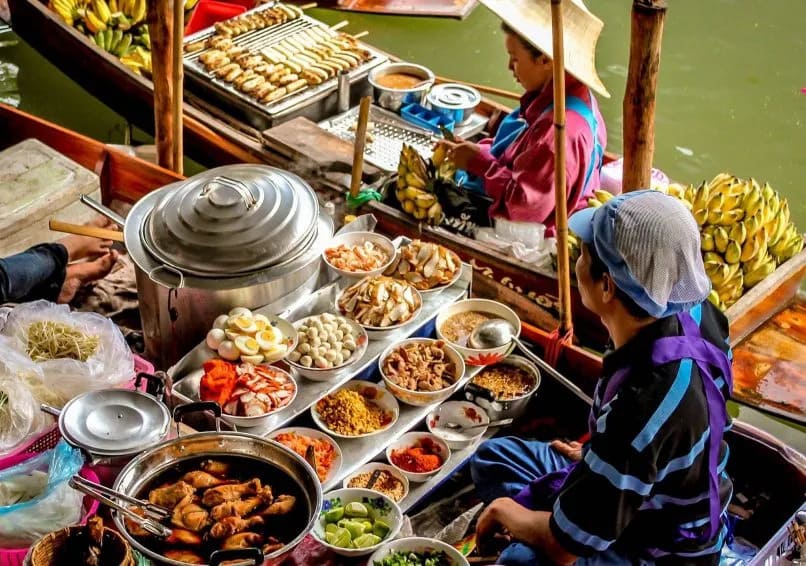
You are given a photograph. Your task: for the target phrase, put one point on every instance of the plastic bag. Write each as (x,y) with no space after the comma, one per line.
(57,507)
(112,363)
(20,417)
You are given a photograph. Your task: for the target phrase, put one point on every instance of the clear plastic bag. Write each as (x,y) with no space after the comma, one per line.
(110,365)
(58,506)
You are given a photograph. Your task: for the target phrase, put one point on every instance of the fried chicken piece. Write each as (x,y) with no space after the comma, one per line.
(280,506)
(184,536)
(232,525)
(133,528)
(242,540)
(187,556)
(171,495)
(216,467)
(240,508)
(272,545)
(218,495)
(190,516)
(203,480)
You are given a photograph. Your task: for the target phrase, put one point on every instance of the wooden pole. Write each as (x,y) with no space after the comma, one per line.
(177,86)
(639,95)
(160,24)
(560,190)
(358,147)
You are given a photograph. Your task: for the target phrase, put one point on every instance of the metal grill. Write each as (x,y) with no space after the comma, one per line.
(386,138)
(255,41)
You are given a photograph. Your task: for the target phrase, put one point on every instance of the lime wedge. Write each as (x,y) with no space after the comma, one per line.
(381,529)
(341,538)
(355,528)
(331,528)
(334,515)
(356,509)
(367,540)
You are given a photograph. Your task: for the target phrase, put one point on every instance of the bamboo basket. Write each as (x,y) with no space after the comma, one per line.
(53,549)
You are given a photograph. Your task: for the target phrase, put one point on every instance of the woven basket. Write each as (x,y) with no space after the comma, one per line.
(55,549)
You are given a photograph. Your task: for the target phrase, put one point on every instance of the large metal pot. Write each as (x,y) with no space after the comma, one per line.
(509,408)
(258,452)
(239,235)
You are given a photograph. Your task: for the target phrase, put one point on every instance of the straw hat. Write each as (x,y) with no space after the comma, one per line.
(531,19)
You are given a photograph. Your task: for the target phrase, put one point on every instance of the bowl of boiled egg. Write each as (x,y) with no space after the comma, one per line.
(250,337)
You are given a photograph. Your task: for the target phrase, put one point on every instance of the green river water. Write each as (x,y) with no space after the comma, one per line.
(729,93)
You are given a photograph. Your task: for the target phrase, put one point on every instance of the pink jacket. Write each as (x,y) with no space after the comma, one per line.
(521,180)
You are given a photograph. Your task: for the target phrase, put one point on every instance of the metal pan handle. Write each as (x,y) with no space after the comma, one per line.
(254,556)
(181,410)
(479,391)
(101,209)
(155,386)
(170,270)
(240,187)
(50,410)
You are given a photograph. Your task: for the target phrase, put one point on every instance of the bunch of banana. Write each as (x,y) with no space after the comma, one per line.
(599,198)
(138,60)
(444,168)
(68,10)
(134,10)
(415,187)
(745,232)
(117,42)
(97,16)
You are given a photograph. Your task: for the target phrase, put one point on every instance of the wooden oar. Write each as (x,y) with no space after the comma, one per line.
(360,142)
(81,230)
(482,88)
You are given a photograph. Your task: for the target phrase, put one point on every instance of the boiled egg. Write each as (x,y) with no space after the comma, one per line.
(247,345)
(242,323)
(268,338)
(240,311)
(220,321)
(231,334)
(262,322)
(256,359)
(275,352)
(228,351)
(214,338)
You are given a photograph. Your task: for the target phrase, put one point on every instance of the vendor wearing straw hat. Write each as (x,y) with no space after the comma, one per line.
(650,485)
(516,168)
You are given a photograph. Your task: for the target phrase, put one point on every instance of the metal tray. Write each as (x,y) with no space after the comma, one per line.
(302,102)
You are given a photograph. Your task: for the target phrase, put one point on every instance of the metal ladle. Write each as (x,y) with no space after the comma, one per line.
(498,332)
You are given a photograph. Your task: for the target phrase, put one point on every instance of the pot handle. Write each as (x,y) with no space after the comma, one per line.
(50,410)
(181,410)
(479,391)
(101,209)
(155,386)
(208,191)
(169,270)
(254,555)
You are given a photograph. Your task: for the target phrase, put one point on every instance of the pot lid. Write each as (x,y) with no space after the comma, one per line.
(233,220)
(450,95)
(113,422)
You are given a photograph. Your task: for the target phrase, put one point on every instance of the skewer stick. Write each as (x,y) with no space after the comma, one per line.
(360,34)
(560,193)
(308,6)
(80,230)
(178,88)
(360,142)
(481,88)
(338,26)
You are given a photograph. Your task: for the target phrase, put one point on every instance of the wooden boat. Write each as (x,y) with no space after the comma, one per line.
(214,138)
(770,473)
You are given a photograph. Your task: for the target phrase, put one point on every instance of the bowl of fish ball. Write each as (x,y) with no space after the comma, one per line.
(222,491)
(381,305)
(390,481)
(421,371)
(356,522)
(354,255)
(418,455)
(327,344)
(396,84)
(461,413)
(417,551)
(326,452)
(504,389)
(357,410)
(457,321)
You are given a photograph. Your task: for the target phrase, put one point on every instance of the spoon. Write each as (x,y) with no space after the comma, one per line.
(459,428)
(498,332)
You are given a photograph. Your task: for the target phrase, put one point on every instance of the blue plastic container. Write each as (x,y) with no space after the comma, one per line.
(426,118)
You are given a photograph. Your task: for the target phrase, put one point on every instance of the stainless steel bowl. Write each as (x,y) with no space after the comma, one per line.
(508,408)
(393,99)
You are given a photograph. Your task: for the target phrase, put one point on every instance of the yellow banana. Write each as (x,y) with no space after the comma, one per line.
(409,206)
(731,217)
(700,199)
(401,168)
(783,212)
(401,182)
(753,225)
(757,275)
(716,202)
(733,252)
(94,25)
(718,272)
(434,213)
(738,233)
(439,155)
(753,201)
(677,191)
(139,11)
(101,9)
(707,242)
(713,296)
(602,195)
(413,180)
(720,183)
(425,200)
(411,193)
(749,249)
(701,216)
(113,6)
(420,213)
(712,257)
(594,203)
(768,192)
(720,239)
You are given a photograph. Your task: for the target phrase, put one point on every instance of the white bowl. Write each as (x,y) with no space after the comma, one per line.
(462,413)
(289,339)
(371,467)
(317,435)
(411,439)
(350,239)
(439,288)
(187,389)
(382,398)
(423,398)
(380,507)
(418,544)
(384,332)
(318,374)
(473,356)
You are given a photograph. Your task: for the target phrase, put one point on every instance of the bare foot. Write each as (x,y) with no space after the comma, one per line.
(79,274)
(80,247)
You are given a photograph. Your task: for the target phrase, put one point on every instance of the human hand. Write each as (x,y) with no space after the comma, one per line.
(571,450)
(461,152)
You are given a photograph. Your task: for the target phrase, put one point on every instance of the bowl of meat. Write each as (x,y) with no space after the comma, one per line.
(381,305)
(354,255)
(430,268)
(248,394)
(422,371)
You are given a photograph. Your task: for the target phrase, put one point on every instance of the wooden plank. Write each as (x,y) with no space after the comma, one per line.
(443,8)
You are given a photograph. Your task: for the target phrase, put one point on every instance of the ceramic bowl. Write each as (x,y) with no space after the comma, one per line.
(462,413)
(384,332)
(350,239)
(423,398)
(418,544)
(377,394)
(379,506)
(413,439)
(371,467)
(494,309)
(335,466)
(326,374)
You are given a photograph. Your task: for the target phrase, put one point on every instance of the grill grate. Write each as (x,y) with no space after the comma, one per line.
(388,134)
